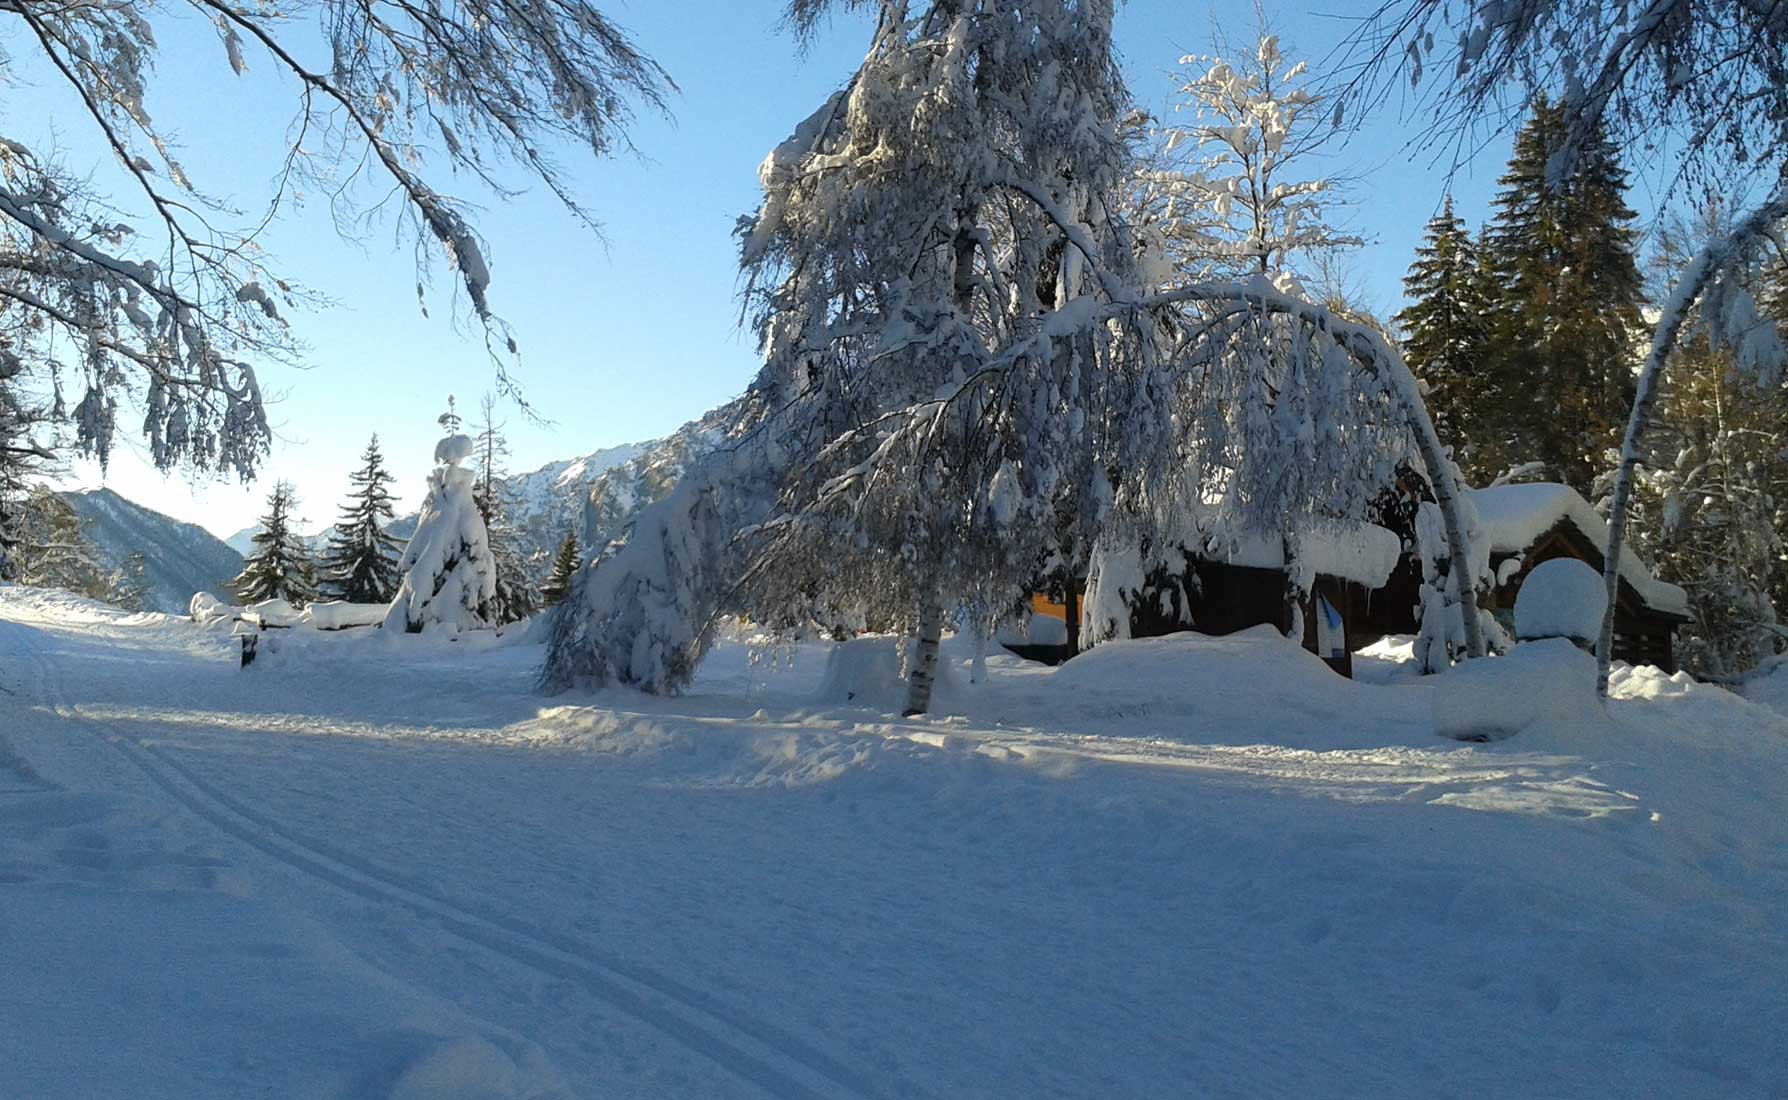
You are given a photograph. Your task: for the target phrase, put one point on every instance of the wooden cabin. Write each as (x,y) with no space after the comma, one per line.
(1368,584)
(1530,523)
(1232,584)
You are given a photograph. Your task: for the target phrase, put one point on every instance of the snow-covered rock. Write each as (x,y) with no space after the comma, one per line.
(1549,683)
(1561,598)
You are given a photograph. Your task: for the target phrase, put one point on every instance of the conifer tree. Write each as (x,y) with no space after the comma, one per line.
(449,580)
(360,565)
(50,548)
(279,567)
(1445,328)
(565,564)
(515,597)
(1567,326)
(128,587)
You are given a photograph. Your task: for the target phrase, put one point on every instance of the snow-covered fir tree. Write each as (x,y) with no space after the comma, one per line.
(1566,306)
(565,566)
(515,598)
(449,577)
(1446,328)
(1234,194)
(360,563)
(278,567)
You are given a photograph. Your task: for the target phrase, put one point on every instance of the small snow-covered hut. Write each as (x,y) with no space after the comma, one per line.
(1531,523)
(1218,585)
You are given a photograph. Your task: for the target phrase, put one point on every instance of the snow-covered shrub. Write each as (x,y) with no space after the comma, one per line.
(1561,598)
(449,575)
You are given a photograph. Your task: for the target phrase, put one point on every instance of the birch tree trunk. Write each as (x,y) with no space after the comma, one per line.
(923,675)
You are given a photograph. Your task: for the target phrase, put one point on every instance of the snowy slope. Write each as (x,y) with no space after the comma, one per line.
(179,558)
(1175,867)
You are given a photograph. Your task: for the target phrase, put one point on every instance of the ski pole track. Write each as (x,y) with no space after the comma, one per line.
(681,1012)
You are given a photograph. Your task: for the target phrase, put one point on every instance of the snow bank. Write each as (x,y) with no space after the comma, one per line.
(1036,630)
(1511,517)
(341,615)
(1561,598)
(1548,683)
(275,612)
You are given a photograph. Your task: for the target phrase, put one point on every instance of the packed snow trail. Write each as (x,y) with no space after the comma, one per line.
(1201,868)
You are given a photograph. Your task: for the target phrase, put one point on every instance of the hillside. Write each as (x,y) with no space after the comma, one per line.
(179,558)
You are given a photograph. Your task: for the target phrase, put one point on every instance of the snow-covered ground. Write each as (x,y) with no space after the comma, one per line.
(374,866)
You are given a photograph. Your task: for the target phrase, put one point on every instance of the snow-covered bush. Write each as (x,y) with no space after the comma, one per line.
(449,576)
(1561,598)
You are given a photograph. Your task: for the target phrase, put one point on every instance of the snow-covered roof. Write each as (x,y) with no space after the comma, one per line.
(1365,552)
(1513,517)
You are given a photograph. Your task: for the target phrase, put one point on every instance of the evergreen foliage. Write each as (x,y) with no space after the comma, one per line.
(449,579)
(565,566)
(278,567)
(360,564)
(51,549)
(1565,324)
(1446,328)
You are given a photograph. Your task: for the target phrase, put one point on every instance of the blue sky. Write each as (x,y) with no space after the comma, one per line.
(625,337)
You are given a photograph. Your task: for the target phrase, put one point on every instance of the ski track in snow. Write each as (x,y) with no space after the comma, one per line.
(673,1008)
(1174,871)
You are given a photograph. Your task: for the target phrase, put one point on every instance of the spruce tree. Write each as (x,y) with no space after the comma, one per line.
(515,597)
(1567,326)
(278,568)
(360,565)
(1446,327)
(558,582)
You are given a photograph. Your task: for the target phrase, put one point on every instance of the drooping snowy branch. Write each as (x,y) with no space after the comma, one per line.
(175,308)
(1729,317)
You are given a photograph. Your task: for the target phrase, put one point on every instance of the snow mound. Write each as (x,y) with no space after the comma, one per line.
(866,672)
(274,612)
(453,450)
(1548,683)
(340,614)
(1561,598)
(1228,679)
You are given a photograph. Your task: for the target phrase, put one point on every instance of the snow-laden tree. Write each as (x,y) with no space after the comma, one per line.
(1233,191)
(360,563)
(966,375)
(141,284)
(450,578)
(24,455)
(128,585)
(279,566)
(1700,86)
(515,598)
